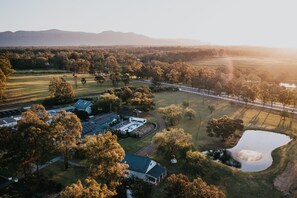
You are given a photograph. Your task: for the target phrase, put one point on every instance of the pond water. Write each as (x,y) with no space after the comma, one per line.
(253,150)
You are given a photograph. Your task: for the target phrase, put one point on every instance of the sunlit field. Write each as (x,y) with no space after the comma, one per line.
(274,65)
(27,89)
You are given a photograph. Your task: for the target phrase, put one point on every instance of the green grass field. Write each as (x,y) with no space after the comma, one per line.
(253,118)
(57,173)
(23,90)
(273,65)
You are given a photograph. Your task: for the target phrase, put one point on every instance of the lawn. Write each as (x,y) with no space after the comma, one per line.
(253,118)
(57,173)
(132,145)
(23,90)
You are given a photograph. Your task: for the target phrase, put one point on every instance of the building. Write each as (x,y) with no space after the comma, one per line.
(144,168)
(84,105)
(8,122)
(99,124)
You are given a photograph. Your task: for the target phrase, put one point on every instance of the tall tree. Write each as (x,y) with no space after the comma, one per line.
(115,78)
(106,103)
(248,93)
(173,141)
(91,189)
(67,128)
(83,81)
(99,78)
(5,72)
(264,95)
(285,97)
(104,159)
(61,90)
(190,113)
(126,94)
(223,127)
(179,186)
(143,98)
(34,136)
(112,64)
(172,114)
(157,75)
(126,79)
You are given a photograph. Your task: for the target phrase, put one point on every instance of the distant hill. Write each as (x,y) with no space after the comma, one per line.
(68,38)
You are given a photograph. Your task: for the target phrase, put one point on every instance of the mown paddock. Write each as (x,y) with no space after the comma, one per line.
(27,89)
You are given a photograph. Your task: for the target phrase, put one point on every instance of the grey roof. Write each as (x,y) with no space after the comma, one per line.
(98,123)
(137,163)
(156,171)
(82,104)
(7,120)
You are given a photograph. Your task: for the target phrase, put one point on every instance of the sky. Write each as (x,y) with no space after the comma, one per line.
(270,23)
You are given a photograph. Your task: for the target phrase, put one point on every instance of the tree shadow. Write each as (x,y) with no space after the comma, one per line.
(266,118)
(255,118)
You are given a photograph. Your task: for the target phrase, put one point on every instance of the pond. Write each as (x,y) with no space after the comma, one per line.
(253,151)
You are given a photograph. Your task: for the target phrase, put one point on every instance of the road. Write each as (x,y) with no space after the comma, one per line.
(257,103)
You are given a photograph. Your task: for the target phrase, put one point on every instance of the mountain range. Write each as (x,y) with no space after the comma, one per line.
(68,38)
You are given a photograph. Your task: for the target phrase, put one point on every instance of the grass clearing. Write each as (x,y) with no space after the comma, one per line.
(57,173)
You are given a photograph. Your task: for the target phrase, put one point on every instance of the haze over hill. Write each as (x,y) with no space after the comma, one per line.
(68,38)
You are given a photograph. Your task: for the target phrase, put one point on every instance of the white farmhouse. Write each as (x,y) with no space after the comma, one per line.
(144,168)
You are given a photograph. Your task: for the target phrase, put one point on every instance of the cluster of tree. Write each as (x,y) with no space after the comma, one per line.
(91,59)
(5,72)
(244,83)
(179,186)
(172,114)
(36,137)
(223,127)
(105,170)
(112,100)
(173,141)
(120,64)
(61,91)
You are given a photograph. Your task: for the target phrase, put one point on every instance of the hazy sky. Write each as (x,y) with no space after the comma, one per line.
(231,22)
